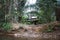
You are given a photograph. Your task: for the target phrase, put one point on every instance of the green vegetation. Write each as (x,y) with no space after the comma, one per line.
(6,26)
(50,28)
(46,13)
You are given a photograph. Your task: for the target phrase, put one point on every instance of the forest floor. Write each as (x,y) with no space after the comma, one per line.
(32,33)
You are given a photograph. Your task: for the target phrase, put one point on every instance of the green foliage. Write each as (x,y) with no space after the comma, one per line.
(47,11)
(6,26)
(50,28)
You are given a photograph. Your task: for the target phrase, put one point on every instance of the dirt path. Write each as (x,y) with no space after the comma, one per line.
(23,34)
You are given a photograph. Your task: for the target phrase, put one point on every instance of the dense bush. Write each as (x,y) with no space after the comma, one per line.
(46,12)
